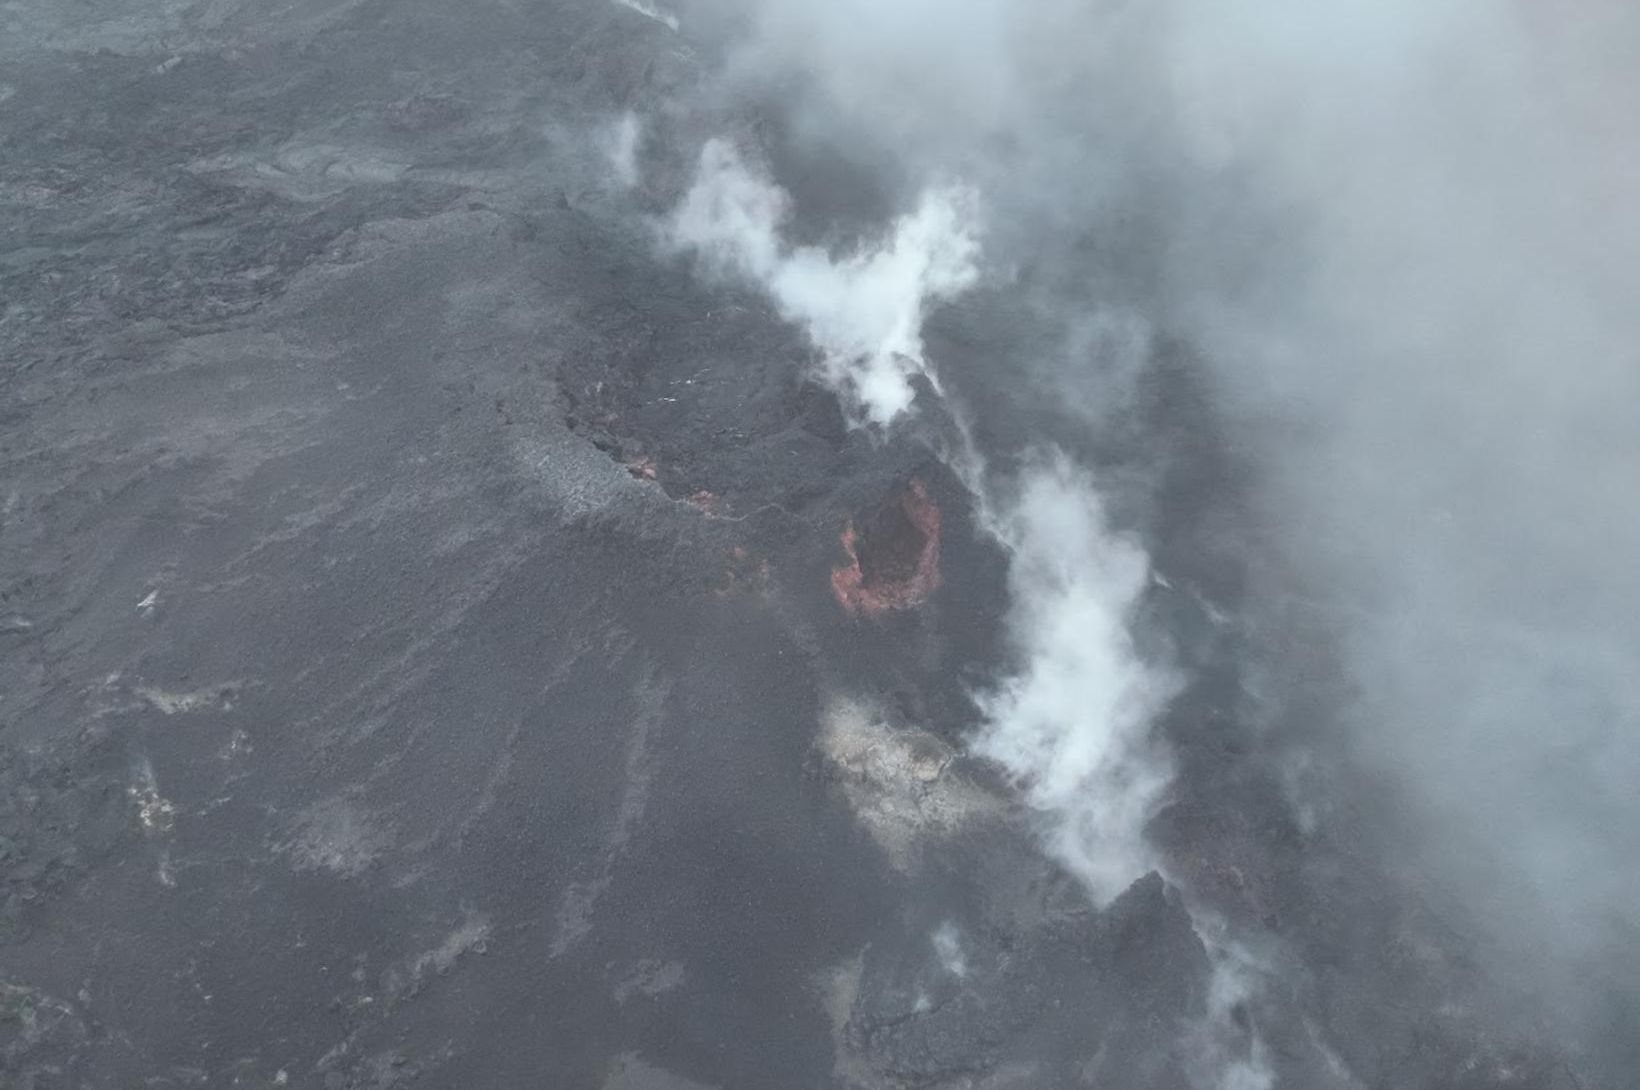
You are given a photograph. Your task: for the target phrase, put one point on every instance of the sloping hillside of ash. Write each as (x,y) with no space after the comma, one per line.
(536,551)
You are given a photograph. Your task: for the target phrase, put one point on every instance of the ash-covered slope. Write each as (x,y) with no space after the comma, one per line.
(462,624)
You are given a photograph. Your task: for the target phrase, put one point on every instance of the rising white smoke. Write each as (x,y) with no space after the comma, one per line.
(1073,726)
(863,310)
(1401,234)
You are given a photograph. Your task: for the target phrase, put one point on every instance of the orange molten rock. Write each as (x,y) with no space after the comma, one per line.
(894,556)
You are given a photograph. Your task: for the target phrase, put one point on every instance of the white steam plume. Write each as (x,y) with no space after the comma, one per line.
(1073,726)
(863,310)
(1401,233)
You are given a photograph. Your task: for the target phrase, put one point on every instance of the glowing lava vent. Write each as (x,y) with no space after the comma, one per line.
(894,555)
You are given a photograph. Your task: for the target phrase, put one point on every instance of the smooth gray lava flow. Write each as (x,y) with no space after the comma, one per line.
(462,624)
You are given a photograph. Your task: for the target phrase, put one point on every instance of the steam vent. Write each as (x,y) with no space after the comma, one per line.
(893,553)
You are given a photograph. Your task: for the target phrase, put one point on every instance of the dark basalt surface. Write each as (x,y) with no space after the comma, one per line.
(416,618)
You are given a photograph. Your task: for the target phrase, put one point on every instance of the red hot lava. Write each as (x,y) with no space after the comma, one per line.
(894,555)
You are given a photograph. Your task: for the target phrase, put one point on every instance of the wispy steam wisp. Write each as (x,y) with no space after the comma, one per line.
(862,310)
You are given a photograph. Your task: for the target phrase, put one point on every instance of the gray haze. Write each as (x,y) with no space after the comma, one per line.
(1402,239)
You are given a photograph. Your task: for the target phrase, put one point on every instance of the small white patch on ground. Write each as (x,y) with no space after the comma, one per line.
(153,809)
(840,990)
(574,918)
(630,1073)
(621,144)
(948,948)
(579,481)
(897,780)
(214,697)
(303,171)
(167,877)
(649,977)
(471,936)
(575,911)
(334,836)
